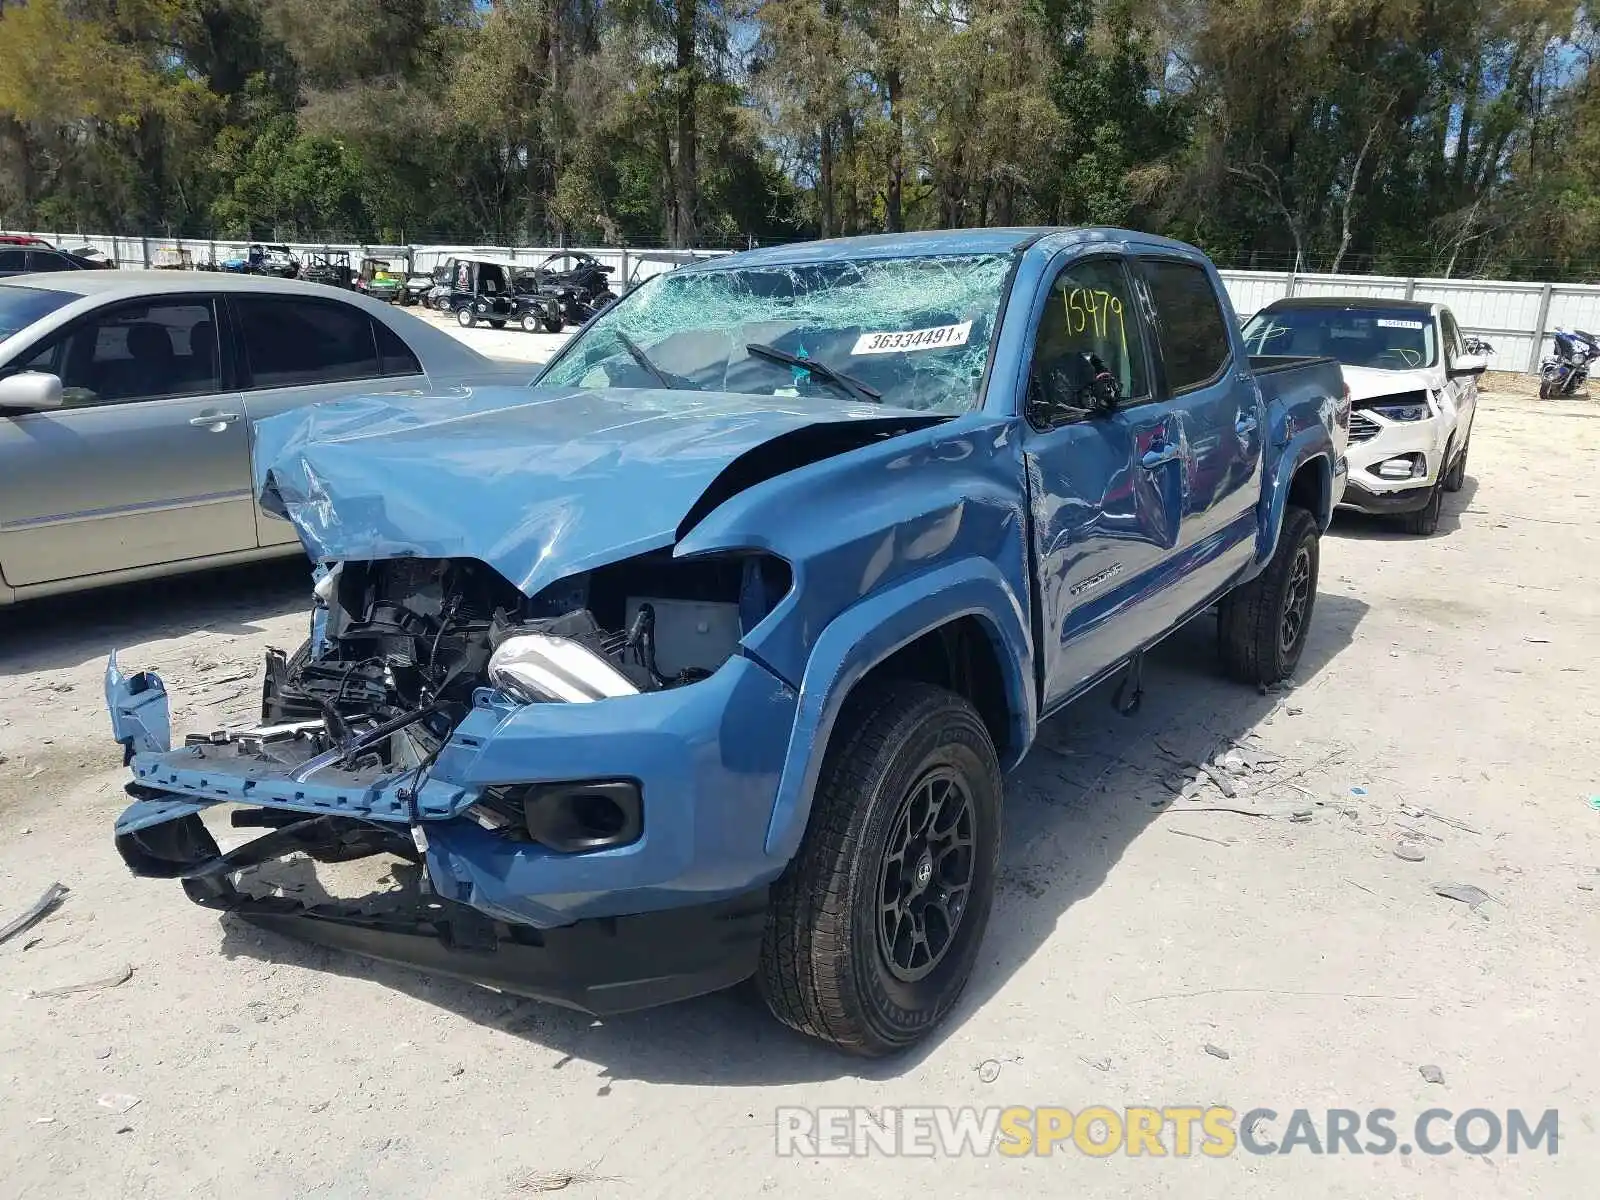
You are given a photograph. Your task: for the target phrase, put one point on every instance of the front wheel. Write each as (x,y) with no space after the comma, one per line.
(1425,521)
(466,318)
(1456,478)
(874,928)
(529,323)
(554,325)
(1262,625)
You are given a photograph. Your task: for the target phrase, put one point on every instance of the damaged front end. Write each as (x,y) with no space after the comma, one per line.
(576,783)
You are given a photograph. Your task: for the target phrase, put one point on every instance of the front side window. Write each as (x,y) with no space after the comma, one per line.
(13,260)
(1088,355)
(1190,327)
(1358,335)
(906,332)
(289,341)
(146,351)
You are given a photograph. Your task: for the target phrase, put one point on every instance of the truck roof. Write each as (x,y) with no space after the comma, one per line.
(923,242)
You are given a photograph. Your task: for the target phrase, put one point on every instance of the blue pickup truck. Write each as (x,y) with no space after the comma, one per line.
(702,658)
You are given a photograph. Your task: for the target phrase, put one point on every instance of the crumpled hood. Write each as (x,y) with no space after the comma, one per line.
(1365,383)
(539,483)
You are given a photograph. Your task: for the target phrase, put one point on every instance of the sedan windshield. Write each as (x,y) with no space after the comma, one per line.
(22,306)
(1389,339)
(907,332)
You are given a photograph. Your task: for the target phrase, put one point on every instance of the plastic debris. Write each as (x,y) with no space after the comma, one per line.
(1101,1063)
(103,1052)
(1412,811)
(1409,851)
(118,977)
(1594,803)
(1469,894)
(1216,1051)
(1431,1073)
(988,1070)
(41,909)
(117,1102)
(1358,791)
(1294,712)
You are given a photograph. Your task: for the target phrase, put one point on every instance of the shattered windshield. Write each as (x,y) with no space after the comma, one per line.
(914,332)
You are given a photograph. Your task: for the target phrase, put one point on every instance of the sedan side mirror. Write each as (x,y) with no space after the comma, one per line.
(30,391)
(1469,364)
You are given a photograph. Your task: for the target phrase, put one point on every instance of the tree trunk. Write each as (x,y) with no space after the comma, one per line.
(850,221)
(683,232)
(893,215)
(825,226)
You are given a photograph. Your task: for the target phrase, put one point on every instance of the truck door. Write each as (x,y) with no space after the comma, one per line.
(1218,422)
(1105,473)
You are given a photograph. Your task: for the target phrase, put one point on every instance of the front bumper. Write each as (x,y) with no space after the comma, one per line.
(706,756)
(1367,491)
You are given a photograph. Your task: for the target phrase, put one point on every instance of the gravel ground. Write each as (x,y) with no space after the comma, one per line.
(1154,941)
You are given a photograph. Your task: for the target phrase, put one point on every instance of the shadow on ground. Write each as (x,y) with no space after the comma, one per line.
(1092,784)
(1347,523)
(65,631)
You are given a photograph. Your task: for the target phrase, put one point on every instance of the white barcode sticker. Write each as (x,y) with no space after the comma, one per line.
(1392,323)
(940,337)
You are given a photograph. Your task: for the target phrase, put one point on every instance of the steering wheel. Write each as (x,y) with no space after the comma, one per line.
(1408,358)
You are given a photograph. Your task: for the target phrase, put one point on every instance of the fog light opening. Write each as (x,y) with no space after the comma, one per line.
(1406,466)
(576,817)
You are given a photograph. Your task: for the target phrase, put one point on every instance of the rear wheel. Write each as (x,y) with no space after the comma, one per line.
(1262,625)
(874,928)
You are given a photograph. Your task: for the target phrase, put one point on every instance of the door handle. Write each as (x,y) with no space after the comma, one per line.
(1160,454)
(1245,425)
(214,421)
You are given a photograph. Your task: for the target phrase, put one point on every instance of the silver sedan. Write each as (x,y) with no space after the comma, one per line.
(126,405)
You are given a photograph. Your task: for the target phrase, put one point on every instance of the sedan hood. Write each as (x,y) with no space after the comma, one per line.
(539,483)
(1366,383)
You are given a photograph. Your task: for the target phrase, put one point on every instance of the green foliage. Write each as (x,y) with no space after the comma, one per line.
(1457,136)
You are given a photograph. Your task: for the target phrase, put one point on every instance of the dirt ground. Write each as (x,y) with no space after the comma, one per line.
(1140,921)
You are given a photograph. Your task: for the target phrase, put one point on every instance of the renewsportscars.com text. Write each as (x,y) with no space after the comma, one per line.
(1177,1131)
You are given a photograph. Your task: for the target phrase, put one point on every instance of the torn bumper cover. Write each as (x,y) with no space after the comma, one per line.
(677,912)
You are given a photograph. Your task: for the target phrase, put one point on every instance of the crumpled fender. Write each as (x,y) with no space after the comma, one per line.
(1311,445)
(141,716)
(869,632)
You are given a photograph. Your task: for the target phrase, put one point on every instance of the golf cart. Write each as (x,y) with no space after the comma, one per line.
(380,280)
(478,290)
(331,267)
(262,259)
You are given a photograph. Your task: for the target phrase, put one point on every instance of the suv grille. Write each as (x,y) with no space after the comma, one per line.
(1362,427)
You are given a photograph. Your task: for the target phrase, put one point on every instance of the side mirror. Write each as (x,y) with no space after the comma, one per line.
(1469,364)
(30,391)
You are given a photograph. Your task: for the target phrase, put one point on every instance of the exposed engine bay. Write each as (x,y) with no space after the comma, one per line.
(400,646)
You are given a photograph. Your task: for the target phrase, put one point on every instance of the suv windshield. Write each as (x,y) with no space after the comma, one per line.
(1390,339)
(22,306)
(915,331)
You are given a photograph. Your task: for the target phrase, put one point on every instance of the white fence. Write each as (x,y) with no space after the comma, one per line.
(628,265)
(1516,318)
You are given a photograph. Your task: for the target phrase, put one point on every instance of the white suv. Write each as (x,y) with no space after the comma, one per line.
(1413,394)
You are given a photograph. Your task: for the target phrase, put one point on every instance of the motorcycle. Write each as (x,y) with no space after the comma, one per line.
(1567,370)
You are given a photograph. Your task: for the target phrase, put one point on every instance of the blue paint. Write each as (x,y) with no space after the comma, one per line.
(1068,548)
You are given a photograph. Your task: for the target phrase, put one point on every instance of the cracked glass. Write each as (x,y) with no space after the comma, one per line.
(916,330)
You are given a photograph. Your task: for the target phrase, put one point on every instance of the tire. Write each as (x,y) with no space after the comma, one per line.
(1425,521)
(554,325)
(1456,478)
(827,958)
(466,318)
(1254,634)
(529,323)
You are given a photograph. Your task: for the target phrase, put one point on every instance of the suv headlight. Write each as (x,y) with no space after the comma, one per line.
(1413,411)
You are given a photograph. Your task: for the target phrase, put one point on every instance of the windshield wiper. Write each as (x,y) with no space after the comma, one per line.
(639,356)
(848,382)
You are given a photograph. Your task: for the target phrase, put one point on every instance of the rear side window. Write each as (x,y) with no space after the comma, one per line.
(1190,326)
(394,356)
(289,341)
(13,260)
(47,260)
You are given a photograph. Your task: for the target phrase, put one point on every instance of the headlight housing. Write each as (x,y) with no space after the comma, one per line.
(541,668)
